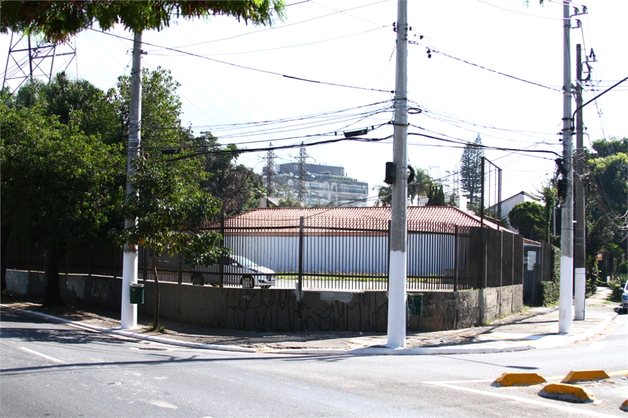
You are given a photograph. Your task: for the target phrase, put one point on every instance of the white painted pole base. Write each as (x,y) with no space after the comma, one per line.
(580,294)
(397,300)
(565,308)
(128,314)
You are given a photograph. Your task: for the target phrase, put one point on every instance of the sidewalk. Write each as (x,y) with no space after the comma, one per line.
(536,328)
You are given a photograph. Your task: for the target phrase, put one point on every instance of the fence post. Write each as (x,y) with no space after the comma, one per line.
(180,278)
(221,269)
(388,257)
(456,243)
(300,272)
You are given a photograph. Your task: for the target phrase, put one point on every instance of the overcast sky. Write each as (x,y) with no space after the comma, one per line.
(495,70)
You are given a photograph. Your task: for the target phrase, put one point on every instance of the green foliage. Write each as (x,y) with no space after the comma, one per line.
(60,187)
(549,293)
(529,219)
(606,195)
(236,186)
(548,196)
(289,203)
(59,20)
(470,171)
(75,102)
(436,196)
(419,187)
(606,148)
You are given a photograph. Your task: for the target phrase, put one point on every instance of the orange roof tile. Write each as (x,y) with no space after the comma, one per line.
(420,218)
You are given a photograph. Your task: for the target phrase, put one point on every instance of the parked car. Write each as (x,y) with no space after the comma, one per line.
(237,270)
(624,298)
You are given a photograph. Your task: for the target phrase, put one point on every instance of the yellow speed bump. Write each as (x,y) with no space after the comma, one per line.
(565,392)
(519,379)
(585,375)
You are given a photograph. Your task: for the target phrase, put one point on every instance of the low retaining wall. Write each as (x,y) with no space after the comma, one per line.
(281,310)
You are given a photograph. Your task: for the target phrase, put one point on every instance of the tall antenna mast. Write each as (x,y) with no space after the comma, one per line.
(270,172)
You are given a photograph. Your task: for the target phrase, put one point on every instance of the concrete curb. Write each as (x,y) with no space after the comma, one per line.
(553,341)
(388,351)
(548,341)
(131,334)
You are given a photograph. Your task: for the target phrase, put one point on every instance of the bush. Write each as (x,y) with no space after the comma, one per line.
(617,289)
(549,293)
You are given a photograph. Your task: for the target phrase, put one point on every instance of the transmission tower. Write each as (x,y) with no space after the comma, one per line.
(29,59)
(302,172)
(270,172)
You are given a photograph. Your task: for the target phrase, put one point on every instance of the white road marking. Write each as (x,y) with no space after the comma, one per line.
(163,404)
(598,345)
(28,350)
(517,399)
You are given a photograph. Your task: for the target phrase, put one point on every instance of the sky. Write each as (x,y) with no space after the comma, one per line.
(495,70)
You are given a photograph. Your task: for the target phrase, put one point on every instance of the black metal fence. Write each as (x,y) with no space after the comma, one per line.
(348,254)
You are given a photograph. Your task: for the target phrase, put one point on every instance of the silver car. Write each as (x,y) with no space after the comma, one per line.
(237,270)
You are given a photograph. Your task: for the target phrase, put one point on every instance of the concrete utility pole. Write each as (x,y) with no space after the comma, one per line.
(399,222)
(580,242)
(128,314)
(566,239)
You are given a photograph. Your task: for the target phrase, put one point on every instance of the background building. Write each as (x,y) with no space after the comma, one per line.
(317,185)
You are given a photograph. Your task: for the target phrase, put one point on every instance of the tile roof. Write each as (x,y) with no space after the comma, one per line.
(420,218)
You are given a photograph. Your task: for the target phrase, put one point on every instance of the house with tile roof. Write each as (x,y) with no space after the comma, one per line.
(353,241)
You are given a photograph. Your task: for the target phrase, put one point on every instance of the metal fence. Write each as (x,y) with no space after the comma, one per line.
(340,255)
(354,254)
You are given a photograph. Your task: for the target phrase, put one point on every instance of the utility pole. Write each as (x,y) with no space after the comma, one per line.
(566,238)
(580,241)
(128,313)
(399,217)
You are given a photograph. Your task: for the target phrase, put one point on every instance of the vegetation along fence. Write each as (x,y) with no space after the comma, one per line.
(348,254)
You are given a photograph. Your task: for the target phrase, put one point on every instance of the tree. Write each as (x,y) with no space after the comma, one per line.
(549,194)
(75,102)
(170,204)
(60,187)
(236,186)
(436,196)
(470,172)
(171,208)
(418,187)
(606,196)
(528,218)
(60,20)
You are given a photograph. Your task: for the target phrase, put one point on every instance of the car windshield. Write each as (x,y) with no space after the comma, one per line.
(243,261)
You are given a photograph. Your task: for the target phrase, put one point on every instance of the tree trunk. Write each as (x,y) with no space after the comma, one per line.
(53,288)
(157,298)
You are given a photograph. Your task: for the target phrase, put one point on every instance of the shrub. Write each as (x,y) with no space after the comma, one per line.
(549,293)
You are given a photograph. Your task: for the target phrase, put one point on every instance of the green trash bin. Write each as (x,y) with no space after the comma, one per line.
(415,304)
(137,293)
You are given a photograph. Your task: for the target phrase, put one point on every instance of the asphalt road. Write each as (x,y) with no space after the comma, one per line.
(55,370)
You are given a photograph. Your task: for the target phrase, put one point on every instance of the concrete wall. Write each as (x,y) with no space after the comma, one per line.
(281,310)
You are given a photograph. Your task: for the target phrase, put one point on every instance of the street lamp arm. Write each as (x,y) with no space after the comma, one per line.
(597,97)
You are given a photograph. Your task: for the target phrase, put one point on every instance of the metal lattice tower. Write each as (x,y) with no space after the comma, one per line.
(270,172)
(29,59)
(302,173)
